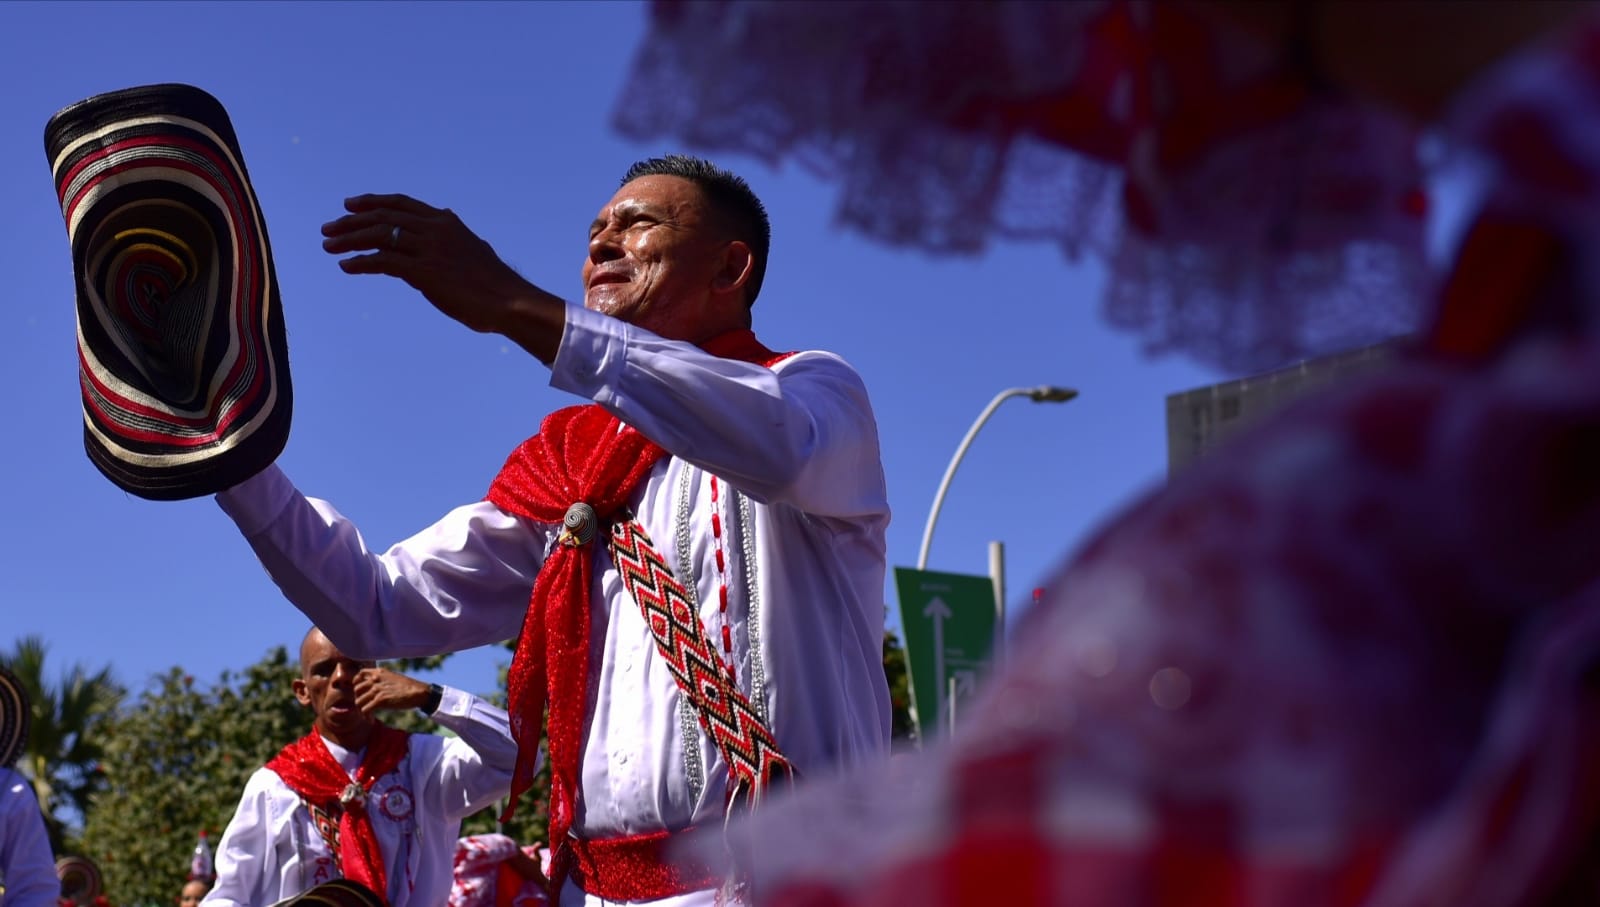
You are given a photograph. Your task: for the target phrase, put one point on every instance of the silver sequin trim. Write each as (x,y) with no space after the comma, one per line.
(747,542)
(688,721)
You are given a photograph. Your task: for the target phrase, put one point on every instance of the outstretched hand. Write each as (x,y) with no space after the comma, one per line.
(379,689)
(460,274)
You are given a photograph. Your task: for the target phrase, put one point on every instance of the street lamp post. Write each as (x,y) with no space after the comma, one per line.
(1041,394)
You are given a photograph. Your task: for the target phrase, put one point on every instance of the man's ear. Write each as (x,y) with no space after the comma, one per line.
(737,264)
(301,695)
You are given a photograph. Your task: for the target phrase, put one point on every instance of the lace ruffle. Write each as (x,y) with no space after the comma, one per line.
(1141,134)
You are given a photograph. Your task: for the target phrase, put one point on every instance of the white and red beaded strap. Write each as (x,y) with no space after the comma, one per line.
(734,521)
(688,717)
(746,744)
(327,826)
(722,573)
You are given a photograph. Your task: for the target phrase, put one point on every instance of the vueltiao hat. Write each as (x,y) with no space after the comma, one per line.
(335,893)
(80,879)
(14,717)
(183,361)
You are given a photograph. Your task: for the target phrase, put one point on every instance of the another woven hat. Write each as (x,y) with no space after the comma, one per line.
(14,717)
(80,879)
(183,362)
(337,893)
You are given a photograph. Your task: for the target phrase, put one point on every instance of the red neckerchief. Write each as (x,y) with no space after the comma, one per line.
(581,454)
(310,770)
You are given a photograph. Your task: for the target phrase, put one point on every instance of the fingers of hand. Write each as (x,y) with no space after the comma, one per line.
(390,263)
(373,229)
(379,693)
(392,201)
(380,238)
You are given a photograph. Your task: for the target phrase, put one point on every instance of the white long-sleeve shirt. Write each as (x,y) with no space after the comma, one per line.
(271,849)
(804,561)
(27,868)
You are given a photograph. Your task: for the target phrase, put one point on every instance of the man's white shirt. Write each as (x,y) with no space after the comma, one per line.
(27,867)
(271,850)
(802,501)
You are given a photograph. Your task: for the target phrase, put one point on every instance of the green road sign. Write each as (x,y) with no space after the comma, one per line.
(949,625)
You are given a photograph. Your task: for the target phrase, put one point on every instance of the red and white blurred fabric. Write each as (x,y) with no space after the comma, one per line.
(483,878)
(1247,216)
(1351,658)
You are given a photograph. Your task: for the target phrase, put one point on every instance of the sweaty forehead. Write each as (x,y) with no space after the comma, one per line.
(655,194)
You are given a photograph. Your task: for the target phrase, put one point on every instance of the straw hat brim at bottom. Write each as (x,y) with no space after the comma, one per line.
(337,893)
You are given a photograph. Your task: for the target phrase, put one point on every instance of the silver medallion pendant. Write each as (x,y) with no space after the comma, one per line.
(353,797)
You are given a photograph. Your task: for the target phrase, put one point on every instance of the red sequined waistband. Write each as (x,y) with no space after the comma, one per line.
(640,867)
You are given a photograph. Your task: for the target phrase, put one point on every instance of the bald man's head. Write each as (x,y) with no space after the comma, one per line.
(326,686)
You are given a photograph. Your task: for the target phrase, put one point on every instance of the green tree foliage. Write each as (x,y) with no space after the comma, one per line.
(66,738)
(894,669)
(175,764)
(418,664)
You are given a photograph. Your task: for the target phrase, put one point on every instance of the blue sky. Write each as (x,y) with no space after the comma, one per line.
(500,111)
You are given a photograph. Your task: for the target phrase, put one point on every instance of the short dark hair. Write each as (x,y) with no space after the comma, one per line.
(731,197)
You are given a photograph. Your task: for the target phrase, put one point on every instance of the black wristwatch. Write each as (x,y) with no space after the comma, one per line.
(435,693)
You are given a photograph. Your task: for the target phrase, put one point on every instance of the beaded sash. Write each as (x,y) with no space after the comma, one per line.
(746,744)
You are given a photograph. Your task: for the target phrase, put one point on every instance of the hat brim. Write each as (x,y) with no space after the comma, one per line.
(183,360)
(80,878)
(336,893)
(15,716)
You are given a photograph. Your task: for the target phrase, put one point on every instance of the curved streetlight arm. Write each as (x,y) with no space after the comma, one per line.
(1041,394)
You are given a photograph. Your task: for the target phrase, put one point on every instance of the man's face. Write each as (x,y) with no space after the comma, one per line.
(327,685)
(655,259)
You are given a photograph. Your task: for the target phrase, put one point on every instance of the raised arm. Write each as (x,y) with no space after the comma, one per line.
(485,728)
(473,770)
(460,583)
(802,433)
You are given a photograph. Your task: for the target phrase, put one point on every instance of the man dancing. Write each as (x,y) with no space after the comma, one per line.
(693,567)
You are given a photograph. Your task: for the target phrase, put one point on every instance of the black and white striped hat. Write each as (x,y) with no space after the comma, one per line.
(183,363)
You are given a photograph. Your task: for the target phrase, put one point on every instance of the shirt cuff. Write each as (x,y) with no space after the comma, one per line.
(591,355)
(254,503)
(454,702)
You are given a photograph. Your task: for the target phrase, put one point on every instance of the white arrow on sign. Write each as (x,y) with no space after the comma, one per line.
(938,612)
